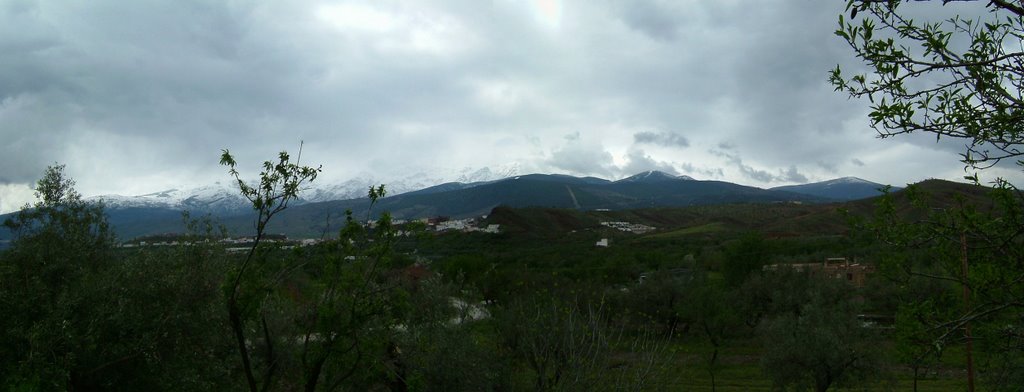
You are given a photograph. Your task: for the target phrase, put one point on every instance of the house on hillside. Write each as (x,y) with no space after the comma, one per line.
(833,268)
(628,227)
(686,274)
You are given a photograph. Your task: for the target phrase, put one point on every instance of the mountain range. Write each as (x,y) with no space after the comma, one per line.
(846,188)
(322,207)
(223,198)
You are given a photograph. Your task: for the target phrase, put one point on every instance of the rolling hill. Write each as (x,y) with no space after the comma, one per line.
(842,189)
(649,191)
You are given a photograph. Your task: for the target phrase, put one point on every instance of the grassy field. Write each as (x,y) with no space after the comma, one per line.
(701,229)
(682,366)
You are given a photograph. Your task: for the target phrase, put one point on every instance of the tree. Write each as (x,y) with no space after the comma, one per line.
(60,243)
(80,314)
(568,344)
(744,257)
(820,344)
(61,212)
(957,78)
(711,308)
(279,184)
(322,317)
(657,300)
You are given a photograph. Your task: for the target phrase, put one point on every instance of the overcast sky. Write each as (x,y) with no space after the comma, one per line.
(140,96)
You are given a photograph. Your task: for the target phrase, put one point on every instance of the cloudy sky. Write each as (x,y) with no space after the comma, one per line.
(140,96)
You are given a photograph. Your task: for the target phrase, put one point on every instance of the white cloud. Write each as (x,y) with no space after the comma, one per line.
(136,97)
(15,196)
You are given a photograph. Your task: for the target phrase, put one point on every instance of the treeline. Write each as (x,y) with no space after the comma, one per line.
(372,310)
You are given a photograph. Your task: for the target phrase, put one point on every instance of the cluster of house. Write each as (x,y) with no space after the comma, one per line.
(176,239)
(442,223)
(832,268)
(466,225)
(235,244)
(629,227)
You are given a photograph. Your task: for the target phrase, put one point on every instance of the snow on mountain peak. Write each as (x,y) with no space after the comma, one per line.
(216,198)
(654,175)
(849,180)
(404,181)
(224,197)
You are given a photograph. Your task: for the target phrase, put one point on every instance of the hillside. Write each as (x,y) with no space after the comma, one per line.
(840,189)
(654,198)
(773,220)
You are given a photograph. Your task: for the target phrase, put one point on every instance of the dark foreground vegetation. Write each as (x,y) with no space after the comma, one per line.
(713,299)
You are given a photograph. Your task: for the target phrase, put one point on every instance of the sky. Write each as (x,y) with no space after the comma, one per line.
(141,96)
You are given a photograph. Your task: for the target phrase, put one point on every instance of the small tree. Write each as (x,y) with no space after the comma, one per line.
(279,184)
(59,244)
(744,257)
(712,311)
(317,318)
(820,345)
(61,213)
(657,301)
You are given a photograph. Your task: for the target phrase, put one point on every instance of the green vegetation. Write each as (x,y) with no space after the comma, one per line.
(701,229)
(535,307)
(957,260)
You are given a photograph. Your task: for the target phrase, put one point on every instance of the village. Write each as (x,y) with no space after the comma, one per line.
(242,243)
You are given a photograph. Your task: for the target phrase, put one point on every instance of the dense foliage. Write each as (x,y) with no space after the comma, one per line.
(957,78)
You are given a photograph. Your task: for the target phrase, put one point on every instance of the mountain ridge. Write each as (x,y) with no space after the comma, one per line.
(160,212)
(840,189)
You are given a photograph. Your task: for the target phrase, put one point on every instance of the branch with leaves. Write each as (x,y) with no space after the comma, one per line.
(922,79)
(279,184)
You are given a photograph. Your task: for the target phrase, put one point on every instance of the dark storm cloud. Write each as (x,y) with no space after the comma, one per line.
(667,139)
(161,82)
(582,157)
(795,114)
(123,71)
(790,174)
(141,96)
(638,162)
(651,19)
(702,172)
(831,167)
(756,175)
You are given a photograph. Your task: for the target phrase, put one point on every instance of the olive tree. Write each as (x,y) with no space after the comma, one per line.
(82,314)
(316,318)
(819,344)
(279,184)
(60,243)
(958,78)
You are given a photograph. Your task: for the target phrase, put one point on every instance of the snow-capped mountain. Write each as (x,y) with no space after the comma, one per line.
(223,198)
(410,180)
(218,198)
(845,188)
(654,176)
